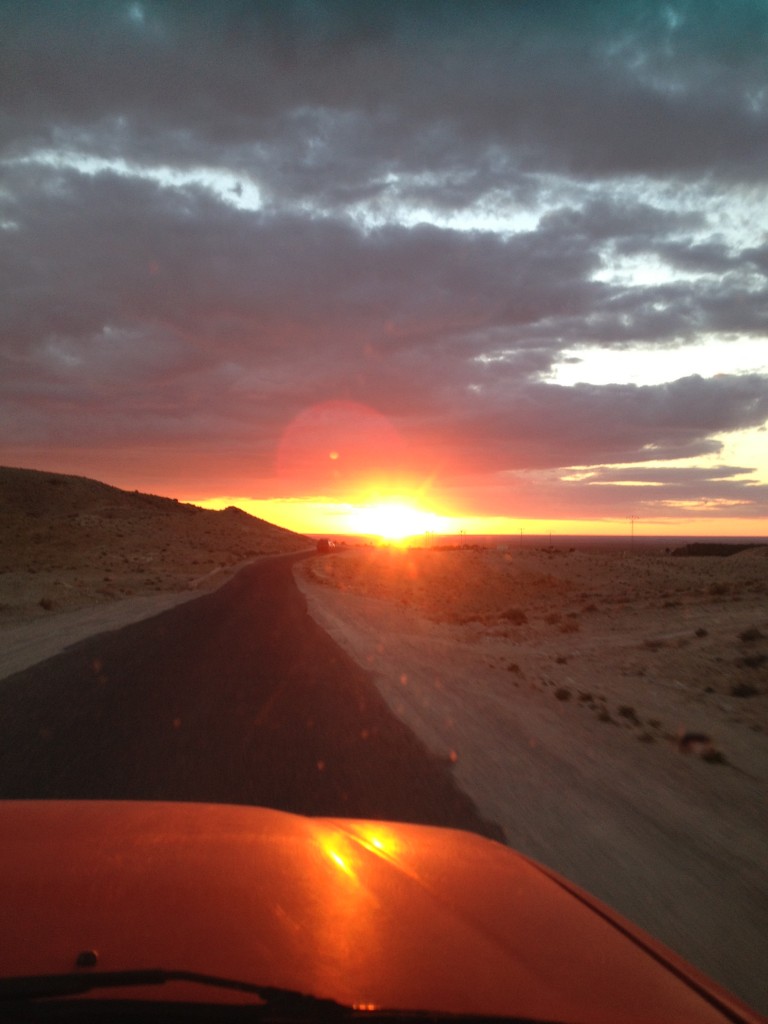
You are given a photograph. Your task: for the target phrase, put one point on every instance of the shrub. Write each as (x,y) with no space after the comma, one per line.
(752,660)
(750,634)
(515,615)
(713,756)
(744,690)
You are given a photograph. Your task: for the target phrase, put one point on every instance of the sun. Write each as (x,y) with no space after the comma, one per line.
(393,521)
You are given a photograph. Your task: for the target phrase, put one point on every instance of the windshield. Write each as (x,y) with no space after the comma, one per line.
(384,393)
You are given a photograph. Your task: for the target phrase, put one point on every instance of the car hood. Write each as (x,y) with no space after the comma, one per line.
(367,913)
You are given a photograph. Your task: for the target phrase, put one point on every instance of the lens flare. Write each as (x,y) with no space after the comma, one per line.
(393,521)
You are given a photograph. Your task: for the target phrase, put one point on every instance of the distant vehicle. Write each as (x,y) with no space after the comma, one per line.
(180,911)
(325,546)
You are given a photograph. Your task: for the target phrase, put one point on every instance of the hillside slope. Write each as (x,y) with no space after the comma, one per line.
(67,542)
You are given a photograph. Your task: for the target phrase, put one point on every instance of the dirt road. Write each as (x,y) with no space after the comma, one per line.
(234,697)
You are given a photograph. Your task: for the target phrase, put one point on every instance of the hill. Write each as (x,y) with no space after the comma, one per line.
(67,542)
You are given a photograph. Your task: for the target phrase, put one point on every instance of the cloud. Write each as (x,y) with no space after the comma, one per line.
(545,426)
(221,218)
(593,92)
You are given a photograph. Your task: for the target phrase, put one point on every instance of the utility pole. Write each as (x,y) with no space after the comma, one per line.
(632,530)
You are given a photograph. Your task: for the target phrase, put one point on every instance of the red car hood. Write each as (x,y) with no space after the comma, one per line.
(364,912)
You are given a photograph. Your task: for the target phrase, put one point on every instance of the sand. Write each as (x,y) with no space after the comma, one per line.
(649,642)
(563,686)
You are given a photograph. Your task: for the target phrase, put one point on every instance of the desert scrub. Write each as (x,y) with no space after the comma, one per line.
(515,615)
(654,645)
(625,711)
(752,661)
(713,756)
(751,634)
(744,690)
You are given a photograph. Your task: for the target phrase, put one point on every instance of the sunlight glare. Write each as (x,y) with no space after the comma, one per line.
(393,521)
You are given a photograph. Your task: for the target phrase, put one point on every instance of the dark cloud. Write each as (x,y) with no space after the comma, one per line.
(545,426)
(450,196)
(647,88)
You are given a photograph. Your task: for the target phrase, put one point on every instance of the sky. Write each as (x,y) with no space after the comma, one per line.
(502,262)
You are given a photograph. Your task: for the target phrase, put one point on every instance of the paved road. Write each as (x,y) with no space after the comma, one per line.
(237,697)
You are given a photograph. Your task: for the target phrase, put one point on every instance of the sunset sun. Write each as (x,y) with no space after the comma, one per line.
(393,521)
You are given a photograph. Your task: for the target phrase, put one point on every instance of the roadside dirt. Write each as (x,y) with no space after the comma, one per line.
(608,709)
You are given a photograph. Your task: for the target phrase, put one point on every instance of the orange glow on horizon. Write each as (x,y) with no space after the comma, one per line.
(394,521)
(322,516)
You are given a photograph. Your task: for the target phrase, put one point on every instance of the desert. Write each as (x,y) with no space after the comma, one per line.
(78,556)
(605,705)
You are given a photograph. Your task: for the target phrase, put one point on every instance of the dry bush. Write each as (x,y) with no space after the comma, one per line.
(752,661)
(751,634)
(744,690)
(515,615)
(654,645)
(629,713)
(713,756)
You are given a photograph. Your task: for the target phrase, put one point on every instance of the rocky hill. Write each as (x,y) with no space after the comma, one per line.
(67,542)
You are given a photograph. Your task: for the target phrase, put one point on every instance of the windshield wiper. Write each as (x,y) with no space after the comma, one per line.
(51,986)
(288,1004)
